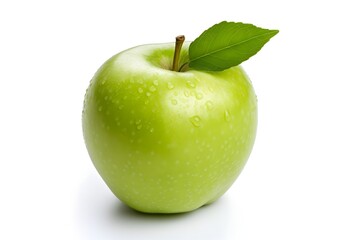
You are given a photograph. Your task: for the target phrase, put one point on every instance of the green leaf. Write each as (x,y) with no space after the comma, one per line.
(227,44)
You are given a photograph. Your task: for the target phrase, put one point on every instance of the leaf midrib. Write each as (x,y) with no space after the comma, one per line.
(230,46)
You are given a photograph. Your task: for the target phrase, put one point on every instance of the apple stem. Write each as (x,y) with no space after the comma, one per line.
(178,44)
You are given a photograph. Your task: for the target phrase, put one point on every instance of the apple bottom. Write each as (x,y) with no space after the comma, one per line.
(148,182)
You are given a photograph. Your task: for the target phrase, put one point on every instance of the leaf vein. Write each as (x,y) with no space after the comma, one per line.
(231,46)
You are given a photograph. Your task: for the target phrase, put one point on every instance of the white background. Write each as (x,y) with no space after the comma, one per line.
(302,180)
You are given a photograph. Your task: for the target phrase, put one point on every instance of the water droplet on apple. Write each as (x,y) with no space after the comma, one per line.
(148,94)
(140,90)
(156,82)
(190,84)
(198,96)
(151,130)
(170,85)
(209,105)
(187,94)
(138,124)
(196,121)
(146,102)
(152,89)
(227,116)
(174,101)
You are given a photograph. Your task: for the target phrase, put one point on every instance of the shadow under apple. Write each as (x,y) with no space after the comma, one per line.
(100,215)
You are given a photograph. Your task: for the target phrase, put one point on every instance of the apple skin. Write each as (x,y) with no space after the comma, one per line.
(165,141)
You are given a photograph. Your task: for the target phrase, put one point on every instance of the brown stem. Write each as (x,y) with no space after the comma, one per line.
(178,44)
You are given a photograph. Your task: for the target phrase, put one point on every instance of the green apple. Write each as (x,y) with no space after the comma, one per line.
(167,141)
